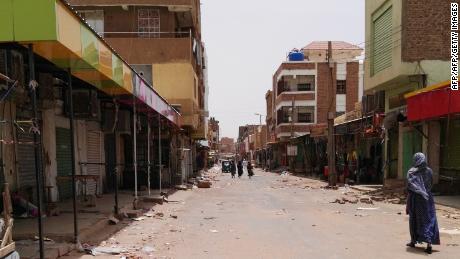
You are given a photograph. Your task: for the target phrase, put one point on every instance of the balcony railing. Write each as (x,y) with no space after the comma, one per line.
(154,47)
(145,34)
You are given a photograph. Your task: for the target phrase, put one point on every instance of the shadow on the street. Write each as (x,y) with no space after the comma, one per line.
(419,250)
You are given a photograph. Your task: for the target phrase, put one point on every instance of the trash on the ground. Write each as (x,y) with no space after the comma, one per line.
(110,250)
(366,199)
(181,187)
(113,220)
(139,218)
(148,249)
(214,231)
(173,216)
(361,208)
(149,215)
(46,239)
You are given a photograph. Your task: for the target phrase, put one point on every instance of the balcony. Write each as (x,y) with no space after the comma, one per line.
(148,48)
(132,2)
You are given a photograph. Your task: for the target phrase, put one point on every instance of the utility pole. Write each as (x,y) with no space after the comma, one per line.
(291,157)
(330,121)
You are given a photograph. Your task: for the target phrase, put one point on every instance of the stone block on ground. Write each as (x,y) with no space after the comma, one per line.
(154,199)
(365,199)
(377,198)
(134,213)
(204,184)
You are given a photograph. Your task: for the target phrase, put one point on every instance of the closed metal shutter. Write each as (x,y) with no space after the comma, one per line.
(382,42)
(26,159)
(450,149)
(94,159)
(412,143)
(64,162)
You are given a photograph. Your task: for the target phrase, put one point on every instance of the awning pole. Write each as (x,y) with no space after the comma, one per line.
(38,179)
(72,153)
(148,155)
(159,147)
(115,167)
(135,146)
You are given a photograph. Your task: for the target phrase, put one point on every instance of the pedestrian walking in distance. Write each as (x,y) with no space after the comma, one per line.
(245,165)
(240,169)
(423,224)
(232,168)
(250,171)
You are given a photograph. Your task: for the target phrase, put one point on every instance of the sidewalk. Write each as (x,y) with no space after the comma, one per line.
(449,201)
(91,221)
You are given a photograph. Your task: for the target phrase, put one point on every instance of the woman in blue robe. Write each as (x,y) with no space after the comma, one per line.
(423,224)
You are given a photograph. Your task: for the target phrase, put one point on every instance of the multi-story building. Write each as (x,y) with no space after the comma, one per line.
(246,141)
(161,39)
(407,48)
(213,134)
(227,145)
(306,89)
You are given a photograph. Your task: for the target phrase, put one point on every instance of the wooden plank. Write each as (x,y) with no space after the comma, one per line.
(4,251)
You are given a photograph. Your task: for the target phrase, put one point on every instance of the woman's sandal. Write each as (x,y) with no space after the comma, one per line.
(429,250)
(411,244)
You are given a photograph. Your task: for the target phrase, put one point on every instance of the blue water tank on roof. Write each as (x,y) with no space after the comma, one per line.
(296,55)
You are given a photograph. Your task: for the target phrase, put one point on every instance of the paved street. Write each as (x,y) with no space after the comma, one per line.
(266,217)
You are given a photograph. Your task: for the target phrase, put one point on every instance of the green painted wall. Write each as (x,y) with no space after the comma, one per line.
(117,69)
(90,47)
(6,20)
(34,20)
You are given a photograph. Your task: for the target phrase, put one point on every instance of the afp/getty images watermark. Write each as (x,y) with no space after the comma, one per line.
(454,46)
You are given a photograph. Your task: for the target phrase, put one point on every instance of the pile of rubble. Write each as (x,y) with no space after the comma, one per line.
(285,181)
(371,197)
(203,180)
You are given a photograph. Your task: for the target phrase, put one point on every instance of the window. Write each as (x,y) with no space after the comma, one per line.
(282,86)
(149,23)
(283,115)
(305,114)
(341,87)
(94,18)
(304,87)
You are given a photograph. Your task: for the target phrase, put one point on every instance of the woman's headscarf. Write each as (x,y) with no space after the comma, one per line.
(415,179)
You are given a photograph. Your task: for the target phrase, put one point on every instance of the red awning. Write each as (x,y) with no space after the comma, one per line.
(438,102)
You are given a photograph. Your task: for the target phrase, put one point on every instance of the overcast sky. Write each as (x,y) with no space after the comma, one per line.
(246,41)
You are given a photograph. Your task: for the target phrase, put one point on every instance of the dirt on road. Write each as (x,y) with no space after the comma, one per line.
(272,216)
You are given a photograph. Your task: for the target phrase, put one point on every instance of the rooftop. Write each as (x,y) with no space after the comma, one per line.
(323,45)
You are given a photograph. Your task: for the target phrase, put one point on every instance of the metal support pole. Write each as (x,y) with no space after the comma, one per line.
(159,147)
(115,173)
(135,145)
(38,177)
(72,153)
(148,156)
(115,170)
(330,122)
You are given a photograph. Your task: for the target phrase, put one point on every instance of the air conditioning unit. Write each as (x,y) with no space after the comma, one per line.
(85,104)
